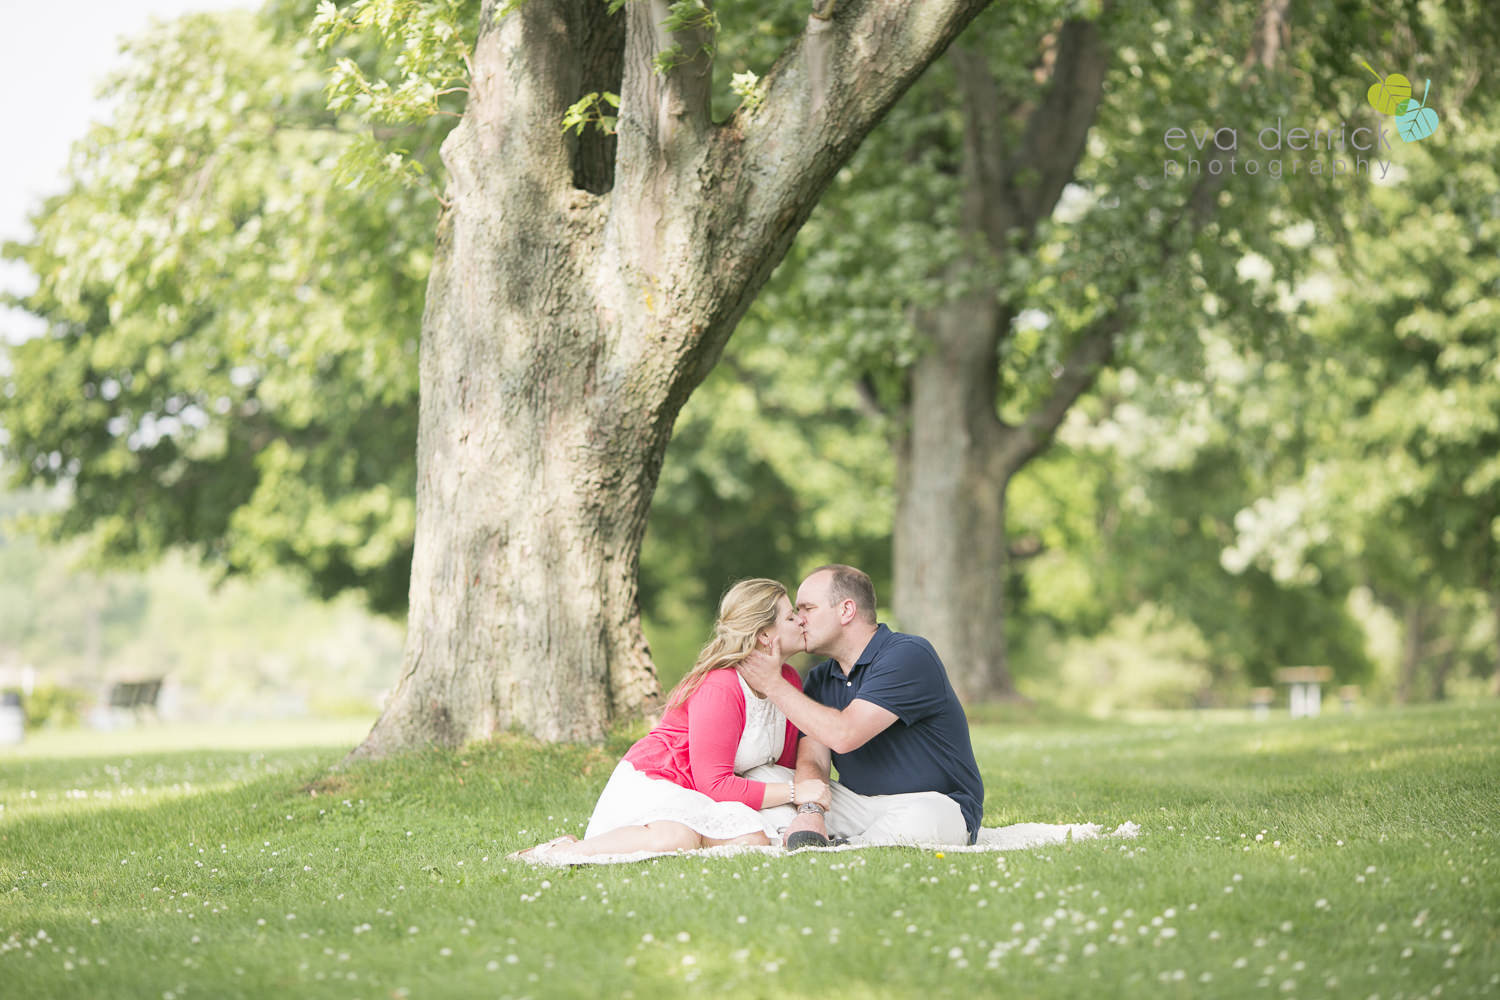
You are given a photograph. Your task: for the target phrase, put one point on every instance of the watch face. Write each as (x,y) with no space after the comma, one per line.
(811,807)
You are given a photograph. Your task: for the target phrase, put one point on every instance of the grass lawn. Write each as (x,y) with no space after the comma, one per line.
(1345,856)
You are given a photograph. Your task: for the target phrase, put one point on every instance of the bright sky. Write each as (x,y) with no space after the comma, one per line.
(53,59)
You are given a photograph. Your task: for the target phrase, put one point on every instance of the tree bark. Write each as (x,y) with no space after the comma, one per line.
(956,457)
(950,549)
(569,316)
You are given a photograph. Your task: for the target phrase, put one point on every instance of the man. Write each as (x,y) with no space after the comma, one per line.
(881,710)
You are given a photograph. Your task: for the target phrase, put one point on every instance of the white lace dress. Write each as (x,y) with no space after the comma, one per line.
(633,799)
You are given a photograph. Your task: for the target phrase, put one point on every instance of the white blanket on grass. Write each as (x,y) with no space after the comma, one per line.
(991,838)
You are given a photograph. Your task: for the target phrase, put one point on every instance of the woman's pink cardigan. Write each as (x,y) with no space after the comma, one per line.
(694,743)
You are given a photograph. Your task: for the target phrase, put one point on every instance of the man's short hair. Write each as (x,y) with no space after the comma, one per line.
(849,583)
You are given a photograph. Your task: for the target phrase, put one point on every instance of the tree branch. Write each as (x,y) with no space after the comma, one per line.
(600,68)
(1090,353)
(988,206)
(519,91)
(1057,131)
(1012,194)
(1095,346)
(823,96)
(869,399)
(704,225)
(660,109)
(1268,38)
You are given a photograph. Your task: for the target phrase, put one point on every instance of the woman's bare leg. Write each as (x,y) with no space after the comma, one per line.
(756,839)
(663,835)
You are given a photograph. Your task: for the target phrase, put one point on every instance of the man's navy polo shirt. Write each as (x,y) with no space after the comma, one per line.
(927,748)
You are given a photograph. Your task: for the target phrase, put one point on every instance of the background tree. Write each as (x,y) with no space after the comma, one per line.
(1023,201)
(246,647)
(1006,307)
(579,293)
(229,363)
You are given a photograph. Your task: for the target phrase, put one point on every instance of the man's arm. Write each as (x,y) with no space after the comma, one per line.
(814,763)
(813,760)
(839,731)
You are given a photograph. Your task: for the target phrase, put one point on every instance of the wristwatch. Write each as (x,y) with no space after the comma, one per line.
(812,807)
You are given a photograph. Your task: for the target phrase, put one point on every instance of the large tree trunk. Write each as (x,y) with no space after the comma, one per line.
(956,458)
(1411,649)
(949,542)
(571,311)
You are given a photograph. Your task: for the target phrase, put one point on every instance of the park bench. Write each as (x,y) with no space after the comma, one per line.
(1306,688)
(135,696)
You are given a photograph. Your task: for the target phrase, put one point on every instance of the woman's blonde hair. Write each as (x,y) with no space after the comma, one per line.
(745,611)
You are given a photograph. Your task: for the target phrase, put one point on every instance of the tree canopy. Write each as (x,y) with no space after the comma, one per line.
(229,362)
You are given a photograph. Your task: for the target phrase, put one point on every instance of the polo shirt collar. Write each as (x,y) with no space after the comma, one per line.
(874,646)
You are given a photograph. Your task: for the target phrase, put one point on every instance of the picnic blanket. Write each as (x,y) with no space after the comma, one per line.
(1017,837)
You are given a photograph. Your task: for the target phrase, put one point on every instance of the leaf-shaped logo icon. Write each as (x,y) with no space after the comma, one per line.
(1416,121)
(1387,95)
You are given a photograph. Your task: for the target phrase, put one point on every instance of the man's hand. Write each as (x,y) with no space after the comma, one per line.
(762,669)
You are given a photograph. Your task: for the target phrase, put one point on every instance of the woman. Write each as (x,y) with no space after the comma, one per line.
(685,784)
